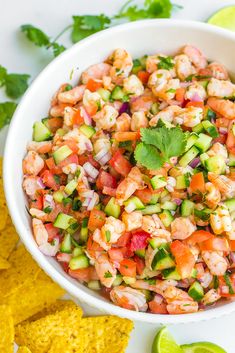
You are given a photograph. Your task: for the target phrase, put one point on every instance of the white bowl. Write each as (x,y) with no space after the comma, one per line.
(139,38)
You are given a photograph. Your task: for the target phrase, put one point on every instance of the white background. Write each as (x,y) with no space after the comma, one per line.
(19,56)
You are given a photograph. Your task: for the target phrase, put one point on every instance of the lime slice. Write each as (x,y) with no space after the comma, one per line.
(165,343)
(202,347)
(224,18)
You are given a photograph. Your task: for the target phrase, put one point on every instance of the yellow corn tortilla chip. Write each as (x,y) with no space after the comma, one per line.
(3,205)
(23,270)
(65,345)
(105,334)
(6,330)
(39,335)
(53,308)
(4,264)
(24,350)
(8,239)
(32,297)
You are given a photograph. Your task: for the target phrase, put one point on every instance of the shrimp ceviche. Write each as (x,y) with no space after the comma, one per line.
(131,181)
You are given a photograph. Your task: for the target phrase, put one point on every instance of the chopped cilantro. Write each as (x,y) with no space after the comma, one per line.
(108,235)
(56,178)
(47,209)
(107,275)
(165,63)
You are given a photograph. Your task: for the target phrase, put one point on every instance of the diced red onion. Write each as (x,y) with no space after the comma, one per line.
(185,84)
(87,194)
(86,116)
(195,162)
(178,201)
(125,108)
(130,207)
(91,180)
(40,183)
(90,170)
(48,201)
(86,202)
(63,257)
(196,98)
(89,146)
(103,156)
(158,298)
(223,130)
(50,250)
(158,221)
(232,256)
(93,202)
(225,289)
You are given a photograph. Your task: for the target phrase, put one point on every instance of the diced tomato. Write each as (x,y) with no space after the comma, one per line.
(195,104)
(197,183)
(84,274)
(109,191)
(179,94)
(120,163)
(222,122)
(140,264)
(128,268)
(63,257)
(224,289)
(221,139)
(214,244)
(126,136)
(71,144)
(199,236)
(232,245)
(144,195)
(157,308)
(73,158)
(200,270)
(77,118)
(96,219)
(143,76)
(92,246)
(93,85)
(52,231)
(124,240)
(116,254)
(184,258)
(55,124)
(139,240)
(106,179)
(52,166)
(37,202)
(230,142)
(49,179)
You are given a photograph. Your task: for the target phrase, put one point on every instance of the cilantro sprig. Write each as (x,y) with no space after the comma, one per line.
(84,26)
(7,110)
(15,84)
(158,145)
(165,63)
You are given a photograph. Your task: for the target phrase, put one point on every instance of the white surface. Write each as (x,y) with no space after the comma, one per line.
(18,56)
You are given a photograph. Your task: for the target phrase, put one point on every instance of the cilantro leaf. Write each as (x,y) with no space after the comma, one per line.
(7,110)
(148,156)
(35,35)
(16,85)
(3,74)
(57,48)
(84,26)
(165,63)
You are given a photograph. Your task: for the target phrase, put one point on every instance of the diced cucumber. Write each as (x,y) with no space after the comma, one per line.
(182,181)
(158,182)
(66,245)
(154,199)
(154,108)
(162,260)
(62,153)
(113,208)
(94,285)
(203,214)
(136,66)
(164,123)
(77,251)
(73,228)
(104,94)
(166,217)
(191,140)
(231,162)
(194,273)
(169,205)
(64,221)
(215,164)
(70,187)
(151,209)
(87,130)
(76,204)
(203,158)
(84,231)
(189,156)
(198,128)
(78,262)
(186,208)
(171,273)
(58,196)
(230,204)
(203,83)
(155,242)
(196,291)
(210,114)
(203,142)
(118,280)
(41,132)
(140,253)
(129,280)
(210,128)
(61,132)
(117,93)
(136,201)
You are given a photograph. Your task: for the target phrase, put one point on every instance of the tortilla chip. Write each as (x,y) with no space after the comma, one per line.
(65,345)
(8,239)
(4,264)
(24,350)
(6,330)
(23,270)
(32,297)
(105,334)
(53,308)
(3,205)
(39,335)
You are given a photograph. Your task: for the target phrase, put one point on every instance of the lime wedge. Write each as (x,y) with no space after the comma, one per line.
(224,18)
(165,343)
(202,347)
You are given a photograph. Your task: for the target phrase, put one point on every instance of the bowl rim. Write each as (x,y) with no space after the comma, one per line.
(41,259)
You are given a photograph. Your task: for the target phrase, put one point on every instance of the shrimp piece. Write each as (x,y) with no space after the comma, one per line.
(40,147)
(138,121)
(70,168)
(32,163)
(189,117)
(107,83)
(162,85)
(223,107)
(179,302)
(220,88)
(132,220)
(142,103)
(195,89)
(215,262)
(195,56)
(166,114)
(230,141)
(213,196)
(105,270)
(151,63)
(159,79)
(231,233)
(92,102)
(220,220)
(95,72)
(127,187)
(123,122)
(102,143)
(133,85)
(217,70)
(182,228)
(205,278)
(184,67)
(98,238)
(129,298)
(31,185)
(211,297)
(225,185)
(114,228)
(122,64)
(54,100)
(57,111)
(69,115)
(106,118)
(153,228)
(72,96)
(218,150)
(83,142)
(40,215)
(39,232)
